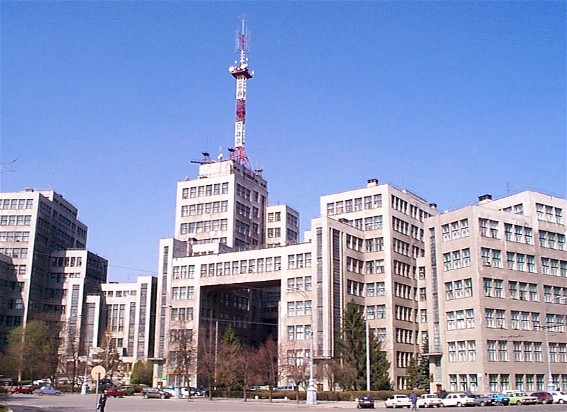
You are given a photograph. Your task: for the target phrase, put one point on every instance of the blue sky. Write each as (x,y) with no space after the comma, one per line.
(108,102)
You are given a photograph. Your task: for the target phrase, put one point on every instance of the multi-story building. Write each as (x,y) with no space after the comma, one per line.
(129,318)
(47,272)
(493,294)
(282,226)
(363,249)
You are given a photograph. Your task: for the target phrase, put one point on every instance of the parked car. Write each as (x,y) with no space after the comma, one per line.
(520,398)
(458,399)
(155,393)
(114,392)
(365,401)
(543,397)
(286,388)
(201,392)
(42,382)
(398,401)
(429,400)
(559,397)
(482,400)
(47,390)
(499,399)
(171,390)
(26,389)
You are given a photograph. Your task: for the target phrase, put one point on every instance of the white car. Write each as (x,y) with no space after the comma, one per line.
(559,397)
(398,401)
(458,399)
(429,400)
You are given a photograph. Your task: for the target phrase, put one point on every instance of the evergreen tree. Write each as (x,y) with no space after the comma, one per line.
(379,366)
(352,345)
(142,373)
(411,373)
(229,361)
(352,353)
(422,377)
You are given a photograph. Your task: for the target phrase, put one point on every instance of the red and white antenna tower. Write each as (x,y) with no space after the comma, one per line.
(241,73)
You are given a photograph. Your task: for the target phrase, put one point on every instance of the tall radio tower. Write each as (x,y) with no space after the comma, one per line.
(241,73)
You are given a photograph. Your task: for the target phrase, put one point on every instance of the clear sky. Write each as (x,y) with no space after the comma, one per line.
(108,103)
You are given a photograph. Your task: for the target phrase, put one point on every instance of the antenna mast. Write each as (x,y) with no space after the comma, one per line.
(241,73)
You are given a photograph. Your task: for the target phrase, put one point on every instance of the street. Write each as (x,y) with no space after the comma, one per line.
(82,403)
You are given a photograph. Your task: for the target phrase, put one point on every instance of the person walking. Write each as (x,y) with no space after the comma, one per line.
(413,399)
(102,402)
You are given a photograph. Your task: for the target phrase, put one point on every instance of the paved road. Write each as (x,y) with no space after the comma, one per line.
(82,403)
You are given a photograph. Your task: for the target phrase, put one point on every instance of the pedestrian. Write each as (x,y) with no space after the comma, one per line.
(413,399)
(101,402)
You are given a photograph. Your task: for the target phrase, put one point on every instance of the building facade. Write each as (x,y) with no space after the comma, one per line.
(47,272)
(363,249)
(493,295)
(129,318)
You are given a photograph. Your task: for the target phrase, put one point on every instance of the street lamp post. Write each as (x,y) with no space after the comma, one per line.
(85,386)
(311,398)
(550,385)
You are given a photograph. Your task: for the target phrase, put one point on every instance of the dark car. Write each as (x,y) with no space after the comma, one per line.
(482,400)
(155,393)
(543,397)
(114,392)
(20,389)
(365,401)
(499,399)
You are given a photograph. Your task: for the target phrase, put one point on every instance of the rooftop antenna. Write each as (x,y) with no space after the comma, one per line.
(241,73)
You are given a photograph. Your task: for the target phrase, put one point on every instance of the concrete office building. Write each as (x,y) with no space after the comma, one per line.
(128,313)
(493,294)
(363,248)
(46,272)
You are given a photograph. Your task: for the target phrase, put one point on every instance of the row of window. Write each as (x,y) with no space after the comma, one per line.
(496,318)
(204,208)
(455,230)
(204,226)
(501,382)
(551,240)
(16,204)
(300,283)
(15,252)
(14,236)
(299,332)
(181,314)
(354,205)
(69,261)
(63,277)
(367,223)
(460,319)
(10,320)
(299,308)
(462,351)
(15,220)
(458,289)
(549,213)
(119,293)
(205,190)
(183,293)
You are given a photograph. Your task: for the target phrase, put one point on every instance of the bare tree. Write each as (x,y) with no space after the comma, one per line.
(107,355)
(297,368)
(69,354)
(207,357)
(182,355)
(268,368)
